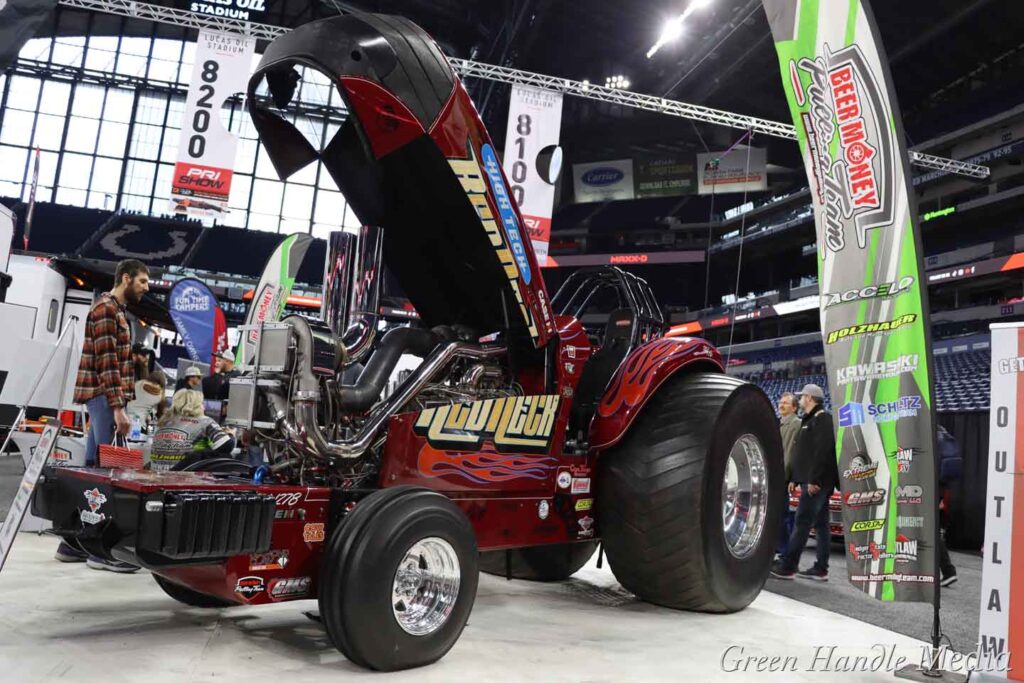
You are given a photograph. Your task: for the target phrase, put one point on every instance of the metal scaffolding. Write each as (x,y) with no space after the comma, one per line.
(467,69)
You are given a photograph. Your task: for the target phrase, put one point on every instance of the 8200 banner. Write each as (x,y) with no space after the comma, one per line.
(848,126)
(206,150)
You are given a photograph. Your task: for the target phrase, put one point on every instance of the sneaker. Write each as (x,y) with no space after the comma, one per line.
(814,574)
(110,565)
(779,571)
(949,579)
(69,553)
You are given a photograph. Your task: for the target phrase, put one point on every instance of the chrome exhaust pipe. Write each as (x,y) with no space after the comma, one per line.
(351,295)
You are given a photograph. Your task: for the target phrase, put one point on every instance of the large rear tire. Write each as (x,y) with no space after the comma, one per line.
(689,501)
(399,579)
(540,563)
(187,596)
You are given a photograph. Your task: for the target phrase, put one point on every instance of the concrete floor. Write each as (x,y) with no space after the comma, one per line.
(67,622)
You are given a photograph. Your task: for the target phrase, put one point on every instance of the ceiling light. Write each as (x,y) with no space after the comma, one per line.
(673,28)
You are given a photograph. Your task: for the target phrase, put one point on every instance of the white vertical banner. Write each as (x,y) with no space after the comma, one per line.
(533,159)
(206,150)
(1000,630)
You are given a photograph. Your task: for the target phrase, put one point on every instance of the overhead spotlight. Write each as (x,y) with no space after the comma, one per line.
(673,28)
(620,82)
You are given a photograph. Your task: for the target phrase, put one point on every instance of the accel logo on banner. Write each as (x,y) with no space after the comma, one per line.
(206,150)
(847,124)
(533,159)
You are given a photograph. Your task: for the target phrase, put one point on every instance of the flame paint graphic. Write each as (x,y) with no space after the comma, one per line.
(631,382)
(485,467)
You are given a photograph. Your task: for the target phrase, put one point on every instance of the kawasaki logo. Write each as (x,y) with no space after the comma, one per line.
(870,292)
(857,186)
(864,372)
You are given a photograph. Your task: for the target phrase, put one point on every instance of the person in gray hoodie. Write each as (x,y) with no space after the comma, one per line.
(789,427)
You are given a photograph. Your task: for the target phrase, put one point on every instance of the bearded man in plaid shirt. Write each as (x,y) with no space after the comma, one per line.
(106,378)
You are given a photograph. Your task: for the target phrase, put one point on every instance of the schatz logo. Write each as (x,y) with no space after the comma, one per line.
(191,299)
(846,106)
(852,414)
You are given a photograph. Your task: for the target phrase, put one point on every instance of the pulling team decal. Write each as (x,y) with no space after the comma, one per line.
(472,179)
(514,425)
(484,467)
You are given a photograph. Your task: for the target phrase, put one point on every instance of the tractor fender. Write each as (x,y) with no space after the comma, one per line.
(639,376)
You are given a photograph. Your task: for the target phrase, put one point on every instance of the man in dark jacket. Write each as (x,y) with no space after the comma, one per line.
(815,471)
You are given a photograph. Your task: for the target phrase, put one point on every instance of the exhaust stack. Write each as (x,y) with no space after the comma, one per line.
(351,297)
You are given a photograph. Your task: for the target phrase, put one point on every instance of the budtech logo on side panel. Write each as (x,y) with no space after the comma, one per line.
(846,104)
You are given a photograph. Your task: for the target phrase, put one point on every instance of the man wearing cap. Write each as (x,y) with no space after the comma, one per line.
(215,386)
(815,472)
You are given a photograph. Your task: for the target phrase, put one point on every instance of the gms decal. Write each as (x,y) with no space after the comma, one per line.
(515,424)
(870,328)
(472,181)
(882,291)
(859,499)
(852,414)
(484,467)
(859,183)
(863,372)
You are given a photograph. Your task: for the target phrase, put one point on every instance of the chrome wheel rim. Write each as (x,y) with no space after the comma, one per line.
(744,496)
(426,586)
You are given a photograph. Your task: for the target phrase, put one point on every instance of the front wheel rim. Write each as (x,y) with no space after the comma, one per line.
(744,496)
(426,586)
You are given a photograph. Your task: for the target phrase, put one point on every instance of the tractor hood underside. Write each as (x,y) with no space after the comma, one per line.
(413,158)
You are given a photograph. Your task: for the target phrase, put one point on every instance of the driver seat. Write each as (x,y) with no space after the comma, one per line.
(598,370)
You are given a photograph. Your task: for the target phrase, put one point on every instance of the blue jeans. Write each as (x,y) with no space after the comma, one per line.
(812,511)
(101,427)
(785,529)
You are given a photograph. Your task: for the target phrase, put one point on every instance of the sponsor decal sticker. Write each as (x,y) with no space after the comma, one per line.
(867,525)
(906,550)
(861,467)
(881,291)
(863,372)
(514,424)
(859,499)
(870,328)
(909,494)
(909,522)
(564,479)
(268,561)
(580,486)
(295,587)
(95,499)
(586,526)
(904,457)
(584,504)
(852,414)
(543,509)
(250,586)
(895,578)
(872,551)
(313,532)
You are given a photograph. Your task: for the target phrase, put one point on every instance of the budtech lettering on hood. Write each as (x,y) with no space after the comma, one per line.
(873,307)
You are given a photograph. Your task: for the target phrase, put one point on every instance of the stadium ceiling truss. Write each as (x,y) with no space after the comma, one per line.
(470,69)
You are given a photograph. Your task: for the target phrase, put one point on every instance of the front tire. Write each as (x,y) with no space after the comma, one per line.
(399,579)
(690,500)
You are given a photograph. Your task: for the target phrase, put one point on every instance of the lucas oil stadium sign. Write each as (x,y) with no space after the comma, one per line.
(243,10)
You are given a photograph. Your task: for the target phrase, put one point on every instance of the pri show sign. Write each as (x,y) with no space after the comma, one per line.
(1001,634)
(206,150)
(533,159)
(873,302)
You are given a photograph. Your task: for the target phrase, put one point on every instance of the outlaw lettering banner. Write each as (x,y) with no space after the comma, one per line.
(533,159)
(194,308)
(873,304)
(206,150)
(1001,627)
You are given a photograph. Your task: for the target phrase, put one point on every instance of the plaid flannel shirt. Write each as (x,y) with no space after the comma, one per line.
(106,366)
